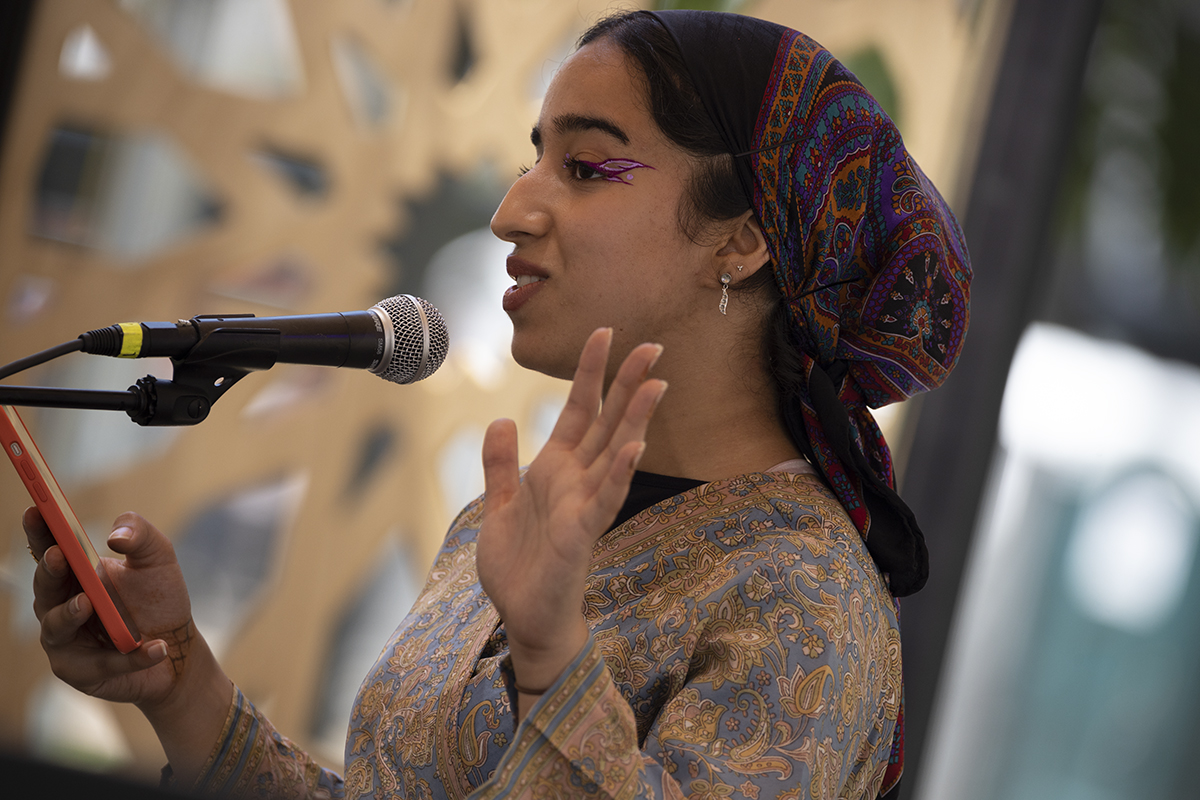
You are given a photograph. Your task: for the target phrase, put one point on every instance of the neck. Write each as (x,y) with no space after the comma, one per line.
(718,419)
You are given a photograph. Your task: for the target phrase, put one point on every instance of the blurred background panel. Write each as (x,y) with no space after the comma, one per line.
(1070,672)
(165,158)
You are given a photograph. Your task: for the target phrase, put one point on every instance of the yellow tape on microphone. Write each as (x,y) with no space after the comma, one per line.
(131,339)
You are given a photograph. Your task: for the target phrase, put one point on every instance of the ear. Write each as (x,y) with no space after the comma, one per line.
(744,246)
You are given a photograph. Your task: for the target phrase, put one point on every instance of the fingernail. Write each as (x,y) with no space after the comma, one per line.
(74,605)
(637,458)
(658,350)
(122,534)
(158,651)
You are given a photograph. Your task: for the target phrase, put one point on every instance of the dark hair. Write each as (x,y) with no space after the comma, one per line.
(714,194)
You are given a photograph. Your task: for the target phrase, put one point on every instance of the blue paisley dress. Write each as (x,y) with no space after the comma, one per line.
(743,643)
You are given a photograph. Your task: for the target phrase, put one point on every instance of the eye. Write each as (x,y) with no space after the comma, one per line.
(583,170)
(615,170)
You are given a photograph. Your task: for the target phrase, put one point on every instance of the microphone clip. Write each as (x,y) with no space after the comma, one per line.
(202,376)
(177,402)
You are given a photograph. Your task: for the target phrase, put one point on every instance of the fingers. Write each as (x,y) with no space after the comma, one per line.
(632,375)
(628,441)
(614,485)
(500,468)
(583,401)
(61,624)
(53,582)
(102,663)
(64,629)
(613,469)
(37,533)
(580,425)
(109,663)
(606,443)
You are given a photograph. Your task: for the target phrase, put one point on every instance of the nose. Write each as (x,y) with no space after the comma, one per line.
(523,213)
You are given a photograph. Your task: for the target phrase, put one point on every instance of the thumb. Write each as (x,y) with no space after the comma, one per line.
(140,542)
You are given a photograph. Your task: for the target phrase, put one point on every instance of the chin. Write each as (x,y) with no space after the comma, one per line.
(536,353)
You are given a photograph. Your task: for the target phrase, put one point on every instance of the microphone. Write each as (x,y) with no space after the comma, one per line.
(402,339)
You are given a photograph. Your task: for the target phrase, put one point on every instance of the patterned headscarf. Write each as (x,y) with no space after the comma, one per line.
(870,259)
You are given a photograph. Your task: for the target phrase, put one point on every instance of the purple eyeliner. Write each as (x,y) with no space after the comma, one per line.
(615,170)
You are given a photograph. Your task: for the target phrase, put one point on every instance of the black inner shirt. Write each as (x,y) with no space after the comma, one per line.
(649,488)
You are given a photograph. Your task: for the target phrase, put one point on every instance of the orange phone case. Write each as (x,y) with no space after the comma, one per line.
(68,532)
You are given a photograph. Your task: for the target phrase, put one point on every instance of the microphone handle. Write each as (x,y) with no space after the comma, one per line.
(356,339)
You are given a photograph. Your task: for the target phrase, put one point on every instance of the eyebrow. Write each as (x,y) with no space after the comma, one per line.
(571,123)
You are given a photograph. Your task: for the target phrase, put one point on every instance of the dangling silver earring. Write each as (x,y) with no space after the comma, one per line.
(725,279)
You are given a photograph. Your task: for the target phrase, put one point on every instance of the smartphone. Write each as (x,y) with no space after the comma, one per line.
(68,533)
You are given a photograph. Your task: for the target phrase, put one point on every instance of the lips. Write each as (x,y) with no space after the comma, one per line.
(530,279)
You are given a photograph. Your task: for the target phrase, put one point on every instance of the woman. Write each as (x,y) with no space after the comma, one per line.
(715,199)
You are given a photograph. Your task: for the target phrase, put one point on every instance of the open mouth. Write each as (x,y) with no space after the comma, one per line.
(526,286)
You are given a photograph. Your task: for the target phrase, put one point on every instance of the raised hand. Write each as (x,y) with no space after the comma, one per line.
(535,544)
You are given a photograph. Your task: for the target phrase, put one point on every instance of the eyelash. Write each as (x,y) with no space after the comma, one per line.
(573,165)
(599,171)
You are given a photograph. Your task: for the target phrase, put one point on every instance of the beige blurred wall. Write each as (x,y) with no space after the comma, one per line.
(940,54)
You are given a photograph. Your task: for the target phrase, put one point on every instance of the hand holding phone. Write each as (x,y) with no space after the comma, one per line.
(68,533)
(171,676)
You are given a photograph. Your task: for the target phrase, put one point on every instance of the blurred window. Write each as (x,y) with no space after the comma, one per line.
(1075,650)
(465,280)
(86,446)
(245,47)
(379,445)
(305,176)
(83,56)
(228,550)
(364,83)
(460,470)
(130,196)
(465,54)
(871,69)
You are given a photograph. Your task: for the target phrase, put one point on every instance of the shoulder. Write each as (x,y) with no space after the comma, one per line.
(763,513)
(784,575)
(761,539)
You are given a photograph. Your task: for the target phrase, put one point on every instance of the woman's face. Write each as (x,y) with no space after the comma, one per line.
(594,224)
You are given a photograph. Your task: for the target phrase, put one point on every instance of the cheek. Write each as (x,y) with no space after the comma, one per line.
(633,227)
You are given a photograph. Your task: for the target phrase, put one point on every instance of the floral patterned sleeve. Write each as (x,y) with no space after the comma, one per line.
(750,661)
(252,759)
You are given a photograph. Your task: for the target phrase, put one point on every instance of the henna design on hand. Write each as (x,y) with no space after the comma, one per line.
(179,644)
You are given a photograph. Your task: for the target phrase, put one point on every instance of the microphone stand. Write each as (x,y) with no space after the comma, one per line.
(131,401)
(199,379)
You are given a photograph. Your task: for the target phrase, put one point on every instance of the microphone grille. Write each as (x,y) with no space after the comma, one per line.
(421,340)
